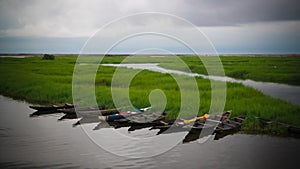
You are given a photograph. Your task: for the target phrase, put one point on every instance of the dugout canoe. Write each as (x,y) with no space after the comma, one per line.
(195,123)
(52,107)
(122,115)
(88,110)
(230,125)
(290,128)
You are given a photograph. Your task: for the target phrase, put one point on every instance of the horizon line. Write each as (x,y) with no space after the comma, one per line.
(149,54)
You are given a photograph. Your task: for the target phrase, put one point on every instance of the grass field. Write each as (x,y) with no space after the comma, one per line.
(267,69)
(44,81)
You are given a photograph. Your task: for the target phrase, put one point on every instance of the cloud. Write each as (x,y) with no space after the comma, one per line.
(232,25)
(54,18)
(282,37)
(235,12)
(75,18)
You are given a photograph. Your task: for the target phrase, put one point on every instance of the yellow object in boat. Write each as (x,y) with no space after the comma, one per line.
(205,116)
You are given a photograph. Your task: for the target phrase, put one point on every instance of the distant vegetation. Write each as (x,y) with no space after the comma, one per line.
(48,57)
(43,81)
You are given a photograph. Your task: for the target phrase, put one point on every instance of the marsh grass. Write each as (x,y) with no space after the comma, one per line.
(266,69)
(43,81)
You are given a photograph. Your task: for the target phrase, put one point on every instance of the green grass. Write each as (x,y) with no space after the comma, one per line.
(267,69)
(44,81)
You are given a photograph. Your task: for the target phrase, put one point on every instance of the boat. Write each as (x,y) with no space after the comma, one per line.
(226,127)
(102,125)
(93,117)
(52,107)
(195,123)
(42,113)
(290,128)
(294,130)
(221,127)
(123,115)
(230,125)
(68,116)
(73,111)
(135,122)
(86,120)
(99,109)
(140,124)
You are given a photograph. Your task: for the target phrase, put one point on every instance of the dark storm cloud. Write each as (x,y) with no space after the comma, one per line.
(233,12)
(16,13)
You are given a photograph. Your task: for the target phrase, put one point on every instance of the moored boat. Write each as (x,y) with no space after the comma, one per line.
(294,130)
(232,124)
(123,115)
(220,124)
(88,109)
(52,107)
(291,129)
(195,123)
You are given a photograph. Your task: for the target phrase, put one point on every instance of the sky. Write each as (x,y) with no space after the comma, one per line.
(231,26)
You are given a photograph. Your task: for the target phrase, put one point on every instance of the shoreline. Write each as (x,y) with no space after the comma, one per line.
(248,130)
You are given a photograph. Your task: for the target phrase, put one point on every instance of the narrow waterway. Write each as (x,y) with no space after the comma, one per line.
(45,142)
(285,92)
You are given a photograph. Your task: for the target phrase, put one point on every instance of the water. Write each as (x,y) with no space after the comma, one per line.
(44,142)
(15,56)
(285,92)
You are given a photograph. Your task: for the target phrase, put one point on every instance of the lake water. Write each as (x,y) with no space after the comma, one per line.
(15,56)
(285,92)
(45,142)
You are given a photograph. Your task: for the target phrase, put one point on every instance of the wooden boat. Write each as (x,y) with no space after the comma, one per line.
(86,119)
(290,128)
(231,125)
(52,107)
(226,127)
(122,115)
(128,123)
(101,126)
(221,127)
(194,135)
(94,116)
(294,130)
(140,125)
(42,113)
(68,116)
(83,109)
(195,123)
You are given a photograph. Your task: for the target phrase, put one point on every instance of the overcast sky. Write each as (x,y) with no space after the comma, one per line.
(233,26)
